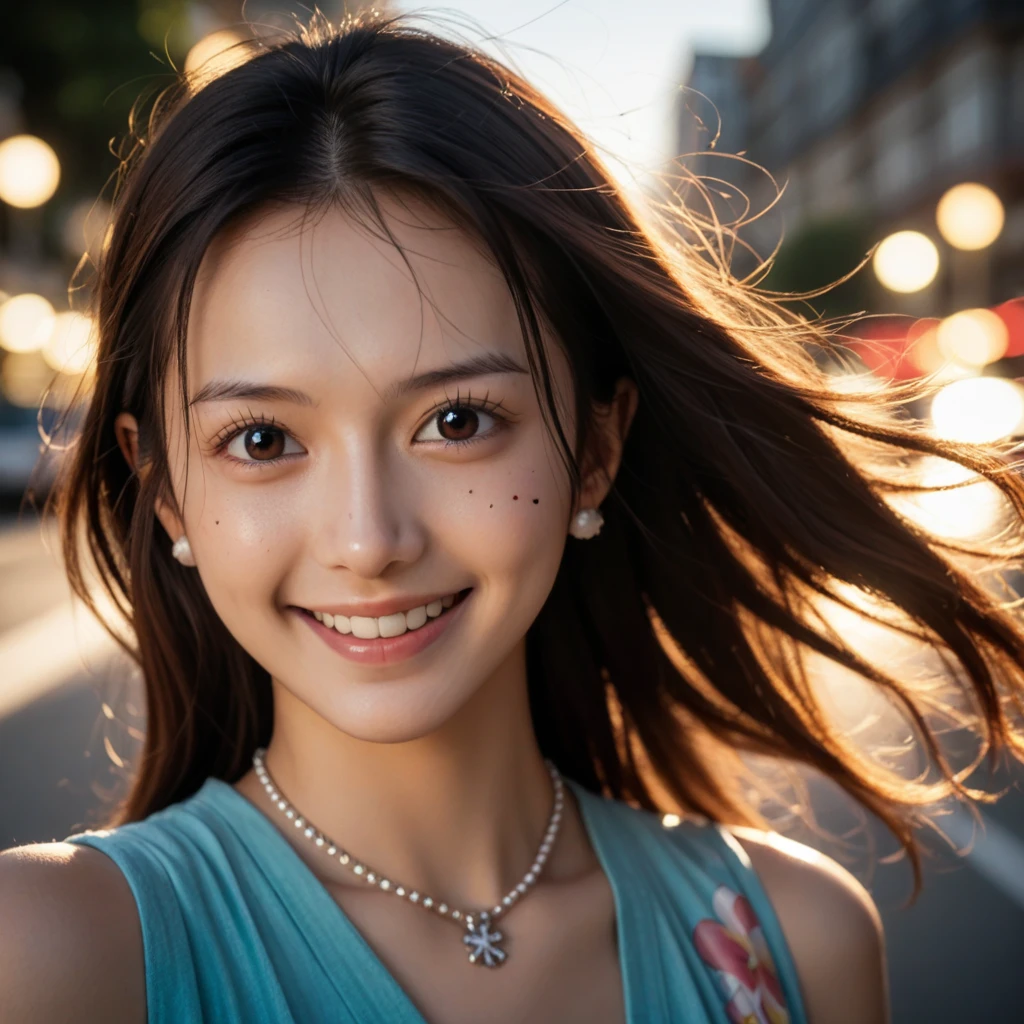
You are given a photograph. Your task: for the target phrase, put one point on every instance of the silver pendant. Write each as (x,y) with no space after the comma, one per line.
(482,943)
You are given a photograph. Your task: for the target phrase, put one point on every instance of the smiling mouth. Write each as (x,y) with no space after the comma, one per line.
(386,627)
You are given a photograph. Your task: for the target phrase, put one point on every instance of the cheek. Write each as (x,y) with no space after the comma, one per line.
(245,539)
(509,517)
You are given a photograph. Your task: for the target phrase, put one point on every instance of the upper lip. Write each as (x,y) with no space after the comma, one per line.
(383,606)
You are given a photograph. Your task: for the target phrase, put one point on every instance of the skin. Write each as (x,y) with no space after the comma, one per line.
(429,767)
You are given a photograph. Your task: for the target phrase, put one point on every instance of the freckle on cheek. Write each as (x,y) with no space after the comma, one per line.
(515,497)
(536,501)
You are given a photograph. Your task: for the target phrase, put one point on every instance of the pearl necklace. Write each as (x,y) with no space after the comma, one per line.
(482,942)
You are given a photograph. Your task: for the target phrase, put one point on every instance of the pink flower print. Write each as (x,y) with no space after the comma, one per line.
(735,947)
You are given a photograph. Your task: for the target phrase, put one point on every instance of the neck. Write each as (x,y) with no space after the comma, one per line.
(457,814)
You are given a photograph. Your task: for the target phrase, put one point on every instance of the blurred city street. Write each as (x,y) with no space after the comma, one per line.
(55,663)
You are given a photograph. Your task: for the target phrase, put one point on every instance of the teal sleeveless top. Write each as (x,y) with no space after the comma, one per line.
(236,927)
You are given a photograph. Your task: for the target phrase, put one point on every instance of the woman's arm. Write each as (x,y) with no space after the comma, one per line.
(70,939)
(832,928)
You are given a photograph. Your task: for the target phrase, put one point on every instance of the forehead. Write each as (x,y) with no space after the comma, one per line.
(281,296)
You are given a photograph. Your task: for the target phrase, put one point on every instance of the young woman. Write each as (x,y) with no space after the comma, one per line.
(467,525)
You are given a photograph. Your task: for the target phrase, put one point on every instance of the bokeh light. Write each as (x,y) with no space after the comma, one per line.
(24,376)
(215,55)
(1012,314)
(906,261)
(72,343)
(29,171)
(974,337)
(923,346)
(979,410)
(86,226)
(26,322)
(970,216)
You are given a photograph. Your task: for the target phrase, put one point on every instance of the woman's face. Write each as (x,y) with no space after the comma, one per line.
(319,477)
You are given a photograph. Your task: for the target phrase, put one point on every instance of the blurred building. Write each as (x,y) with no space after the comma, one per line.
(871,109)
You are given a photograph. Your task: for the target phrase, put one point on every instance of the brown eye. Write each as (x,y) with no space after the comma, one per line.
(264,443)
(261,443)
(461,424)
(458,424)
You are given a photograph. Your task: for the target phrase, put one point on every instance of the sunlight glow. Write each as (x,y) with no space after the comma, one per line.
(979,409)
(616,69)
(971,511)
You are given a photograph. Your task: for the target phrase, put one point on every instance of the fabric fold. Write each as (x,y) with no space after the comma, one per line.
(237,927)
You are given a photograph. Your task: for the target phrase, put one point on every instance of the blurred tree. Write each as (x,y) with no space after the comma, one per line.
(70,73)
(821,252)
(75,70)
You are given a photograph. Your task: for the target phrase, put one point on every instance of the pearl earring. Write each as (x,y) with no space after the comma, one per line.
(182,551)
(587,523)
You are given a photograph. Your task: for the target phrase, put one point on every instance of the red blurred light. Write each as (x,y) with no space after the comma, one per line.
(1012,314)
(895,347)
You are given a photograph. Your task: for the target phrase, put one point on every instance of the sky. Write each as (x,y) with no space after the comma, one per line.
(614,67)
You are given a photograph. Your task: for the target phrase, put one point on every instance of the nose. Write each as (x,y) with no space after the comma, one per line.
(364,518)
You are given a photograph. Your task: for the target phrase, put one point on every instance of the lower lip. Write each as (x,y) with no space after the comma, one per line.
(386,650)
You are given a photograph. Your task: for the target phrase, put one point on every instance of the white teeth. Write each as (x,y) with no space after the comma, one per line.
(364,628)
(368,628)
(392,625)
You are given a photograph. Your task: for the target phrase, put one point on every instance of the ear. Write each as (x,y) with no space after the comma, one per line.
(126,430)
(604,456)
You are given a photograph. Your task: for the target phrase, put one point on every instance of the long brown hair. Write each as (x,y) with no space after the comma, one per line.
(750,486)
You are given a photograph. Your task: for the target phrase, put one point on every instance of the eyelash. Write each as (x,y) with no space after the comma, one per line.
(241,424)
(481,406)
(237,426)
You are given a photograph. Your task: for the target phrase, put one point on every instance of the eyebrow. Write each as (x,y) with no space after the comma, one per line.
(478,366)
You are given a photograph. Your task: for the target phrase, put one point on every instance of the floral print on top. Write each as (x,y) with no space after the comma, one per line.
(735,947)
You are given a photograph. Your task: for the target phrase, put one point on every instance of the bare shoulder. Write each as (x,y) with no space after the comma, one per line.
(832,928)
(70,937)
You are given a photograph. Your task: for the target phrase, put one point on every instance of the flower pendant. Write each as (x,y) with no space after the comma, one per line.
(483,943)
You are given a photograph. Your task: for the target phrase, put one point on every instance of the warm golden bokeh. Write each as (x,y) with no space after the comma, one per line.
(906,261)
(970,216)
(72,343)
(978,409)
(29,171)
(973,337)
(215,55)
(26,322)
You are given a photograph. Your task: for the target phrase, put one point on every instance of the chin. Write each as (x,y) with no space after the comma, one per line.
(397,712)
